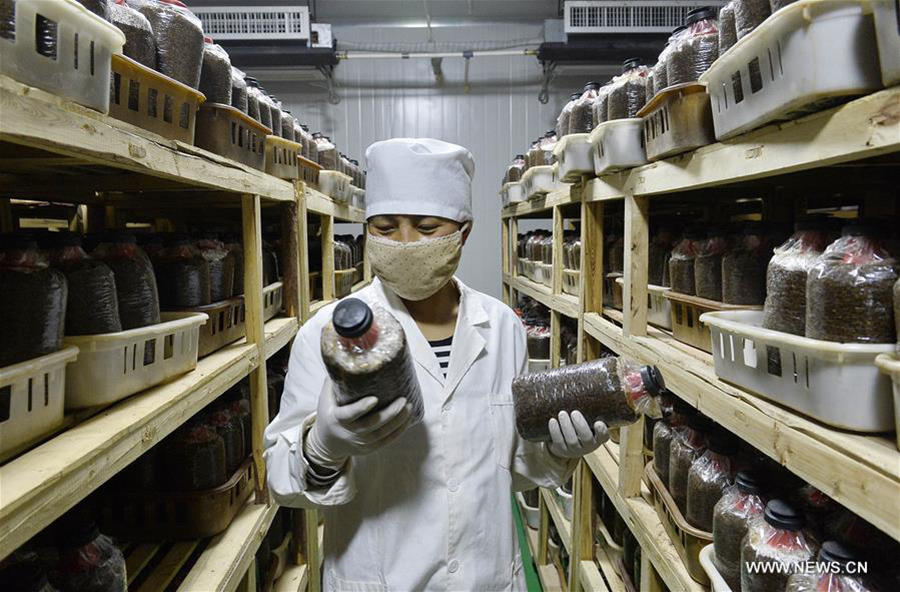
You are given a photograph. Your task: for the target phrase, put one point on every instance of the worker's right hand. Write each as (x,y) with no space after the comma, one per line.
(342,431)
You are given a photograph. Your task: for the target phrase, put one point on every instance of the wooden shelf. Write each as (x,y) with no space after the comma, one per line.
(54,149)
(541,207)
(860,472)
(318,305)
(561,303)
(547,574)
(44,483)
(559,519)
(592,580)
(225,560)
(641,518)
(319,203)
(862,128)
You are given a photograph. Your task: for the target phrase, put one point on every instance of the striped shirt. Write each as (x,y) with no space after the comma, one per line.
(441,349)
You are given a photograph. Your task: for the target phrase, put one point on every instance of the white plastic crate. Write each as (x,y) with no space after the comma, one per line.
(335,185)
(544,273)
(887,32)
(539,180)
(802,59)
(836,383)
(532,515)
(571,282)
(113,366)
(890,365)
(618,144)
(32,399)
(512,193)
(538,365)
(63,48)
(574,157)
(565,501)
(707,560)
(273,295)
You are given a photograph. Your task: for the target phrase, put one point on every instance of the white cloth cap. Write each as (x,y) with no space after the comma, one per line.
(419,177)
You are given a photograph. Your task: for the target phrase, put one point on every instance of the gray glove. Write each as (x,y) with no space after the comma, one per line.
(572,436)
(342,431)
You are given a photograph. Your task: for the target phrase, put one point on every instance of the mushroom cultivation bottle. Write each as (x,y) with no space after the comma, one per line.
(628,92)
(612,390)
(849,295)
(838,573)
(140,45)
(774,542)
(727,28)
(215,73)
(664,432)
(92,306)
(681,263)
(687,446)
(32,302)
(581,119)
(708,265)
(221,267)
(708,478)
(562,122)
(744,267)
(732,514)
(195,458)
(238,90)
(135,280)
(785,305)
(253,99)
(88,561)
(183,275)
(366,354)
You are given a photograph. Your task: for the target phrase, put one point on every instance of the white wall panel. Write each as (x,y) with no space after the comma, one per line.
(386,98)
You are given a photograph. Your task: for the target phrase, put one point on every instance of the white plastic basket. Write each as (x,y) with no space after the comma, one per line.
(836,383)
(74,62)
(707,560)
(113,366)
(801,59)
(512,193)
(618,144)
(565,501)
(539,180)
(887,33)
(335,185)
(273,295)
(32,399)
(543,273)
(538,365)
(532,515)
(574,155)
(571,282)
(890,364)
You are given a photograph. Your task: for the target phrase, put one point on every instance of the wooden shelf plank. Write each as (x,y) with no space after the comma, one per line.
(44,483)
(542,205)
(591,580)
(168,567)
(643,521)
(225,560)
(37,119)
(319,203)
(860,472)
(547,574)
(862,128)
(561,303)
(293,579)
(559,519)
(318,305)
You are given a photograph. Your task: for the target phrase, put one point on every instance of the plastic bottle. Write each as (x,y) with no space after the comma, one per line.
(732,514)
(774,538)
(366,354)
(613,390)
(581,118)
(562,122)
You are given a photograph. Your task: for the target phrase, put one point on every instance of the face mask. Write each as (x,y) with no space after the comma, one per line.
(415,271)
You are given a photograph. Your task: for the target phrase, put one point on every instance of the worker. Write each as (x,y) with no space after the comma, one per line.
(428,507)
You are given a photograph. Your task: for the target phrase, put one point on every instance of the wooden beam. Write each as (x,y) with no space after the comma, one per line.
(637,236)
(292,274)
(558,244)
(631,460)
(312,550)
(327,230)
(253,305)
(543,556)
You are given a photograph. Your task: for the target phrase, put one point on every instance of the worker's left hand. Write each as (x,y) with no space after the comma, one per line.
(572,437)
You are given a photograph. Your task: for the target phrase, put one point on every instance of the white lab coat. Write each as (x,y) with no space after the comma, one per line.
(431,511)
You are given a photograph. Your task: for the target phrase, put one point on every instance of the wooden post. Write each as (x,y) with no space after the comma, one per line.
(327,229)
(650,580)
(514,245)
(591,290)
(505,246)
(253,285)
(555,341)
(543,556)
(557,249)
(582,523)
(311,550)
(248,583)
(6,217)
(292,275)
(631,461)
(303,240)
(637,237)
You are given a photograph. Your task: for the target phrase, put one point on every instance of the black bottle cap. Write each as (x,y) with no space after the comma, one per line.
(304,127)
(576,95)
(592,86)
(722,442)
(317,135)
(781,515)
(518,156)
(177,240)
(700,14)
(749,482)
(653,380)
(631,64)
(700,423)
(120,237)
(251,81)
(352,317)
(678,30)
(549,133)
(833,551)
